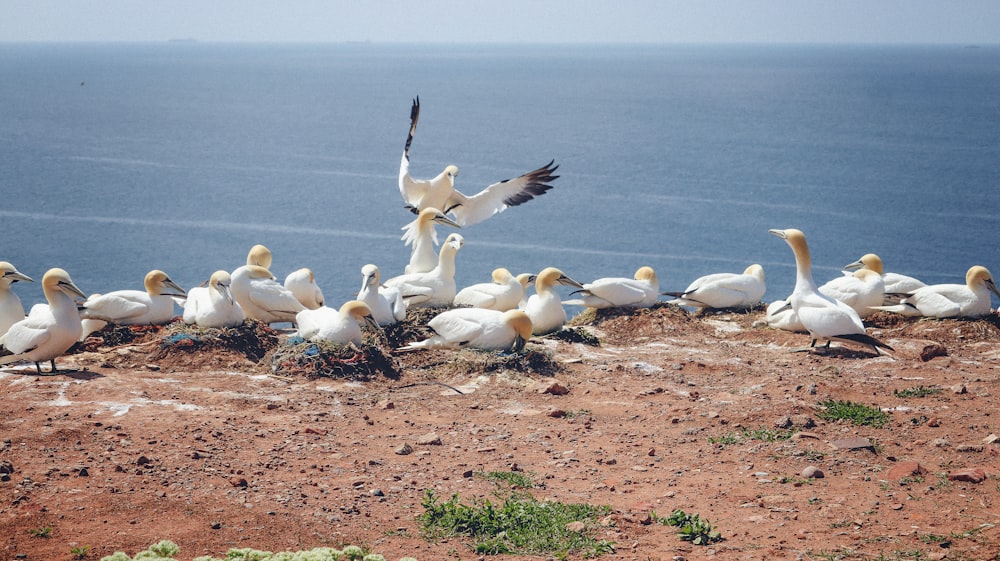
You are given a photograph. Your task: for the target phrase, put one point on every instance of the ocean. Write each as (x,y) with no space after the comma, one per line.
(119,158)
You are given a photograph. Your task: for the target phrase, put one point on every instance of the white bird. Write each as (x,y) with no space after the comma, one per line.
(895,283)
(723,290)
(525,279)
(152,306)
(544,306)
(213,305)
(440,192)
(641,291)
(436,287)
(861,290)
(262,297)
(422,236)
(52,330)
(971,299)
(477,328)
(259,255)
(823,317)
(337,326)
(302,284)
(387,304)
(780,315)
(504,293)
(11,309)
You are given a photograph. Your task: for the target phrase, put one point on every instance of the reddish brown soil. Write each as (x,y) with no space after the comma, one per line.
(133,444)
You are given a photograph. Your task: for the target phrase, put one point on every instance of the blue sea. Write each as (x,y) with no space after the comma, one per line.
(119,158)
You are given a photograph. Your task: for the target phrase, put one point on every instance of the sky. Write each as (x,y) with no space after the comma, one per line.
(507,21)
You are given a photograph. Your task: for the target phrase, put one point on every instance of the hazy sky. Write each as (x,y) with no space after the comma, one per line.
(518,21)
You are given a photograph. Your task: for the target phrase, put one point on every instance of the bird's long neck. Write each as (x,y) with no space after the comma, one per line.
(803,266)
(446,261)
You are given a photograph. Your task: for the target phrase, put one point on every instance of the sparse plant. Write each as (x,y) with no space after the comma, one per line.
(42,532)
(514,479)
(80,551)
(919,391)
(691,527)
(856,413)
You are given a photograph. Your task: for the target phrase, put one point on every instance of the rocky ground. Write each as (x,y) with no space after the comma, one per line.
(158,438)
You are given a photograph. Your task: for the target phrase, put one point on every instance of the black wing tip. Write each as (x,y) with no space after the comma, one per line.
(674,294)
(865,339)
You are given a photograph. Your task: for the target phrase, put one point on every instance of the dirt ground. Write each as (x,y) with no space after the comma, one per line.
(138,442)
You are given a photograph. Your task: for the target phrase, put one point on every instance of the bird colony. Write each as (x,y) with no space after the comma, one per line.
(500,314)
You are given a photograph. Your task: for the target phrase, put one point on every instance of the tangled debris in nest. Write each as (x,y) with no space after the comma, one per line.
(300,358)
(253,339)
(575,335)
(470,362)
(412,328)
(941,330)
(112,335)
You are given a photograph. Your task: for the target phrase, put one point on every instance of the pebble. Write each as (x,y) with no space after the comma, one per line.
(404,449)
(931,351)
(851,443)
(812,472)
(549,386)
(905,469)
(429,439)
(959,389)
(969,475)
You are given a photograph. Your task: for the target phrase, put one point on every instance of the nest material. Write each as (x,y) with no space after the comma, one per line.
(576,335)
(112,335)
(301,358)
(252,339)
(473,362)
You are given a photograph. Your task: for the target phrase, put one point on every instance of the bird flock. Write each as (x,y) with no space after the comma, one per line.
(499,315)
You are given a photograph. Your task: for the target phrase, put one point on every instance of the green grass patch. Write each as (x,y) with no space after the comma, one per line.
(855,413)
(761,434)
(514,479)
(517,524)
(691,527)
(919,391)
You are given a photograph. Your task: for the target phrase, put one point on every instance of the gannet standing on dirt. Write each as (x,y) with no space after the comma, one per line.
(422,236)
(723,290)
(213,305)
(641,291)
(261,297)
(971,299)
(52,330)
(152,306)
(337,326)
(302,284)
(504,293)
(435,287)
(823,317)
(544,307)
(440,192)
(11,309)
(476,328)
(895,284)
(387,304)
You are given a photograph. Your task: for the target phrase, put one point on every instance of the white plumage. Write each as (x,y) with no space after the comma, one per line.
(421,235)
(477,328)
(302,284)
(11,309)
(152,306)
(435,287)
(723,290)
(544,307)
(862,290)
(504,293)
(51,330)
(262,297)
(971,299)
(640,291)
(440,192)
(893,283)
(213,305)
(337,326)
(386,304)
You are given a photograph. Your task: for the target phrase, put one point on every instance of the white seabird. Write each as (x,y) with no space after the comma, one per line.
(341,326)
(422,236)
(387,304)
(11,309)
(504,293)
(213,305)
(435,287)
(861,290)
(440,191)
(641,291)
(259,255)
(971,299)
(823,317)
(525,279)
(52,330)
(302,284)
(723,290)
(544,307)
(477,328)
(262,297)
(895,283)
(152,306)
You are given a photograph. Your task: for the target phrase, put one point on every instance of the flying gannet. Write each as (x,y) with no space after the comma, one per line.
(262,297)
(152,306)
(49,332)
(440,191)
(544,307)
(723,290)
(895,284)
(971,299)
(436,287)
(337,326)
(504,293)
(823,317)
(302,284)
(641,291)
(422,236)
(11,309)
(213,305)
(387,304)
(476,328)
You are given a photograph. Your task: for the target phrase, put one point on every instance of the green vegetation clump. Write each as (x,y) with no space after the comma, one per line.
(761,434)
(520,524)
(691,527)
(919,391)
(856,413)
(166,550)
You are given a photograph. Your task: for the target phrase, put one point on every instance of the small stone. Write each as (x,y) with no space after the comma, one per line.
(83,472)
(376,493)
(934,422)
(239,482)
(969,475)
(812,472)
(940,443)
(905,469)
(988,440)
(549,386)
(320,432)
(897,506)
(143,460)
(969,448)
(404,449)
(959,389)
(803,421)
(153,367)
(429,439)
(851,443)
(386,404)
(783,422)
(216,525)
(556,413)
(812,389)
(931,351)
